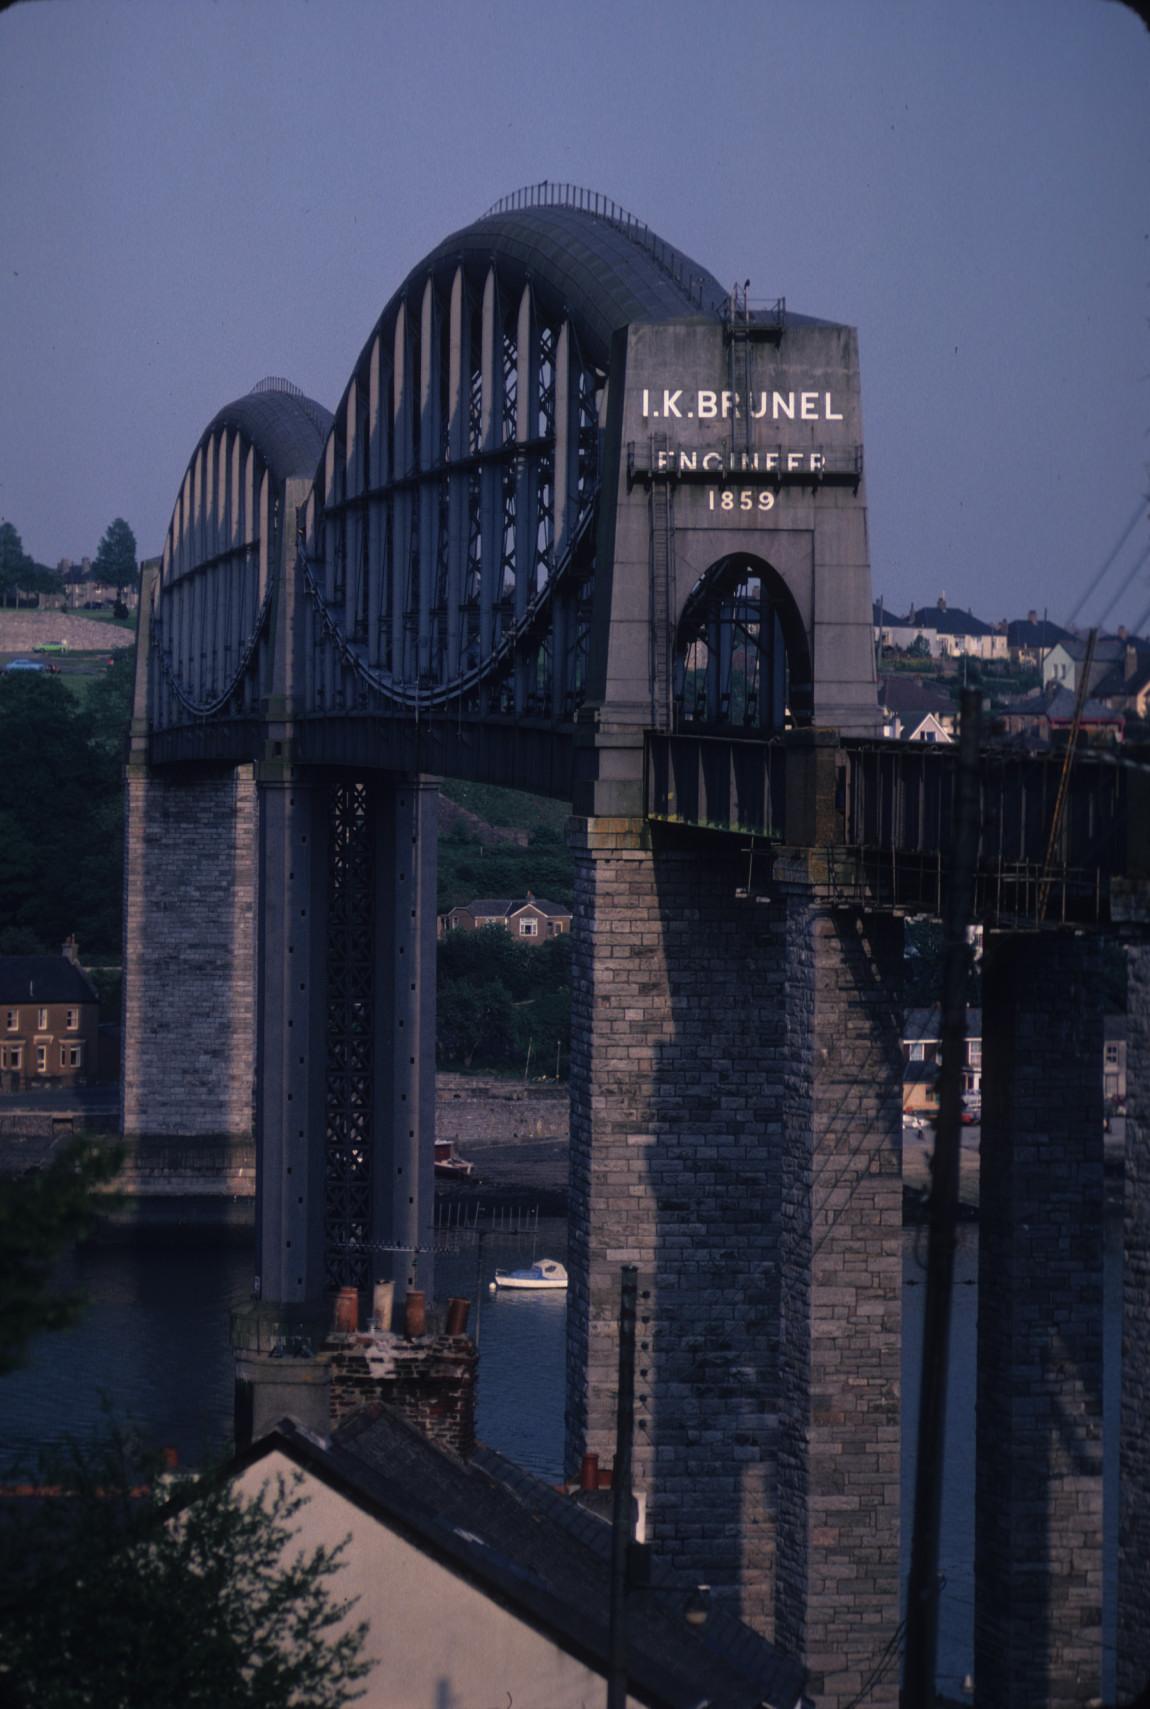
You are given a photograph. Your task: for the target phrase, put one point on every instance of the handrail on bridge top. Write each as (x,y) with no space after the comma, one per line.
(546,194)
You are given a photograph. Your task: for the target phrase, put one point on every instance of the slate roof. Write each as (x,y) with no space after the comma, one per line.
(951,621)
(1060,708)
(44,979)
(1023,633)
(539,1553)
(910,694)
(1108,649)
(502,907)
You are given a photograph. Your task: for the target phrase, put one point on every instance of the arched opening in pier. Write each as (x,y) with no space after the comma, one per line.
(742,659)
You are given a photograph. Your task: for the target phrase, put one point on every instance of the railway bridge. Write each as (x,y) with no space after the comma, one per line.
(587,524)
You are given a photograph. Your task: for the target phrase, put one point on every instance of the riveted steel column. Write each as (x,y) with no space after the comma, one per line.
(353,516)
(403,458)
(291,1035)
(527,471)
(377,448)
(458,398)
(406,811)
(429,449)
(491,479)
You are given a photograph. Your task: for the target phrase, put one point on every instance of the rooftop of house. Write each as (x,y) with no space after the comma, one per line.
(44,979)
(540,1553)
(1034,631)
(949,620)
(910,694)
(502,907)
(925,1025)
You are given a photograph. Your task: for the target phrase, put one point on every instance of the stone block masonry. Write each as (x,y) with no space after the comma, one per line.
(838,1533)
(1038,1501)
(703,1021)
(1134,1470)
(189,953)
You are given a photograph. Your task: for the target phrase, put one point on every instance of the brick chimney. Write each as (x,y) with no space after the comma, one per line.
(429,1377)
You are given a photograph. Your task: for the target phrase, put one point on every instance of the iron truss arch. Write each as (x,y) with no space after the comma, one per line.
(448,549)
(209,621)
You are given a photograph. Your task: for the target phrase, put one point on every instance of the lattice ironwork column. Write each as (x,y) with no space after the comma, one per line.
(405,815)
(349,1036)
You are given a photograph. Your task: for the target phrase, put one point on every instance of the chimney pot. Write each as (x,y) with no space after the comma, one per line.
(457,1313)
(382,1305)
(414,1314)
(345,1315)
(589,1471)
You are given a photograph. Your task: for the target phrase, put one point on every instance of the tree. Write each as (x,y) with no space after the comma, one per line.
(40,1215)
(116,557)
(128,1589)
(18,572)
(61,811)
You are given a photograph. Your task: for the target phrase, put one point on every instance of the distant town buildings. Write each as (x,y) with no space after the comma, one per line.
(1030,668)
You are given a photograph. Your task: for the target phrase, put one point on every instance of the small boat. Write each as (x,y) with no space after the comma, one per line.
(449,1166)
(547,1273)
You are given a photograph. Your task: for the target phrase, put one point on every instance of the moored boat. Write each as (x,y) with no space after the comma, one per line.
(545,1273)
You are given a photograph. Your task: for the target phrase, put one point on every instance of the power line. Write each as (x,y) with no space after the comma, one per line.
(1126,533)
(1138,563)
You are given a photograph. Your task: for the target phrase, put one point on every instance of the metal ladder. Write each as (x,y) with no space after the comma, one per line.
(662,579)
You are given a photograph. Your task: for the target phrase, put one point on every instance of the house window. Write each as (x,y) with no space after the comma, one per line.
(41,1059)
(529,928)
(71,1055)
(974,1052)
(918,1052)
(1112,1055)
(72,1019)
(12,1056)
(41,1020)
(12,1020)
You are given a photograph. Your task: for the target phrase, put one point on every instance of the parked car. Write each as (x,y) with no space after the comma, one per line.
(25,665)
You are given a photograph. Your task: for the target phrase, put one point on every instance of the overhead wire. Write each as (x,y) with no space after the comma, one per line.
(1126,533)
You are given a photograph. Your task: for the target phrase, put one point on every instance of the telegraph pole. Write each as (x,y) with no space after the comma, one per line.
(922,1585)
(622,1521)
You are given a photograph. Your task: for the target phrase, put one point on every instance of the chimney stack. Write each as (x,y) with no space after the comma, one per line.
(71,950)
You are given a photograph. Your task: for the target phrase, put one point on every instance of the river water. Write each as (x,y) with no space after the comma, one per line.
(152,1349)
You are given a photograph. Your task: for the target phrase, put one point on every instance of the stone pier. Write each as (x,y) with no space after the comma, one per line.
(189,953)
(722,1142)
(1038,1545)
(1134,1466)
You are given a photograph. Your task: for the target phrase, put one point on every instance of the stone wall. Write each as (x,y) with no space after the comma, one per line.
(1038,1536)
(189,967)
(735,1121)
(1134,1470)
(675,1147)
(841,1259)
(471,1108)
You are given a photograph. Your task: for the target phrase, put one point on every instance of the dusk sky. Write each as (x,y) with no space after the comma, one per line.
(194,196)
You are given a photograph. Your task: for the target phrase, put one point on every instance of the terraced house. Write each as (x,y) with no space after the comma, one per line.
(49,1021)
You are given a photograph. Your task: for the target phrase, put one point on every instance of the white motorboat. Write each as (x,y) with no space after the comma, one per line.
(545,1273)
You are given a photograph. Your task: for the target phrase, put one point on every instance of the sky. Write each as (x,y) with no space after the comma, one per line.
(195,195)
